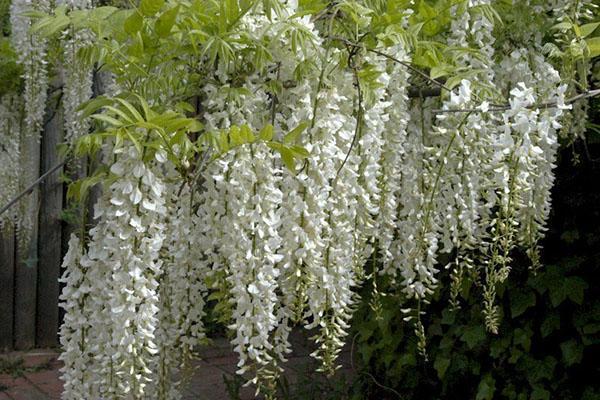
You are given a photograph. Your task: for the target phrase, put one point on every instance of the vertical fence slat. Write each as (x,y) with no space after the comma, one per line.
(50,231)
(26,265)
(7,277)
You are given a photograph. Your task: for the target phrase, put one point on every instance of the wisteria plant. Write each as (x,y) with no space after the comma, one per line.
(260,153)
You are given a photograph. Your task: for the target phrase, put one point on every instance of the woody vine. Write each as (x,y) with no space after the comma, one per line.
(261,153)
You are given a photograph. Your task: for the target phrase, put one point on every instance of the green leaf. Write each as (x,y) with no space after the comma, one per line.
(448,316)
(572,352)
(588,29)
(473,335)
(562,26)
(570,236)
(151,7)
(126,118)
(486,389)
(295,133)
(90,107)
(137,117)
(539,393)
(299,152)
(594,46)
(522,337)
(50,26)
(266,133)
(133,23)
(439,71)
(136,142)
(574,288)
(591,329)
(288,158)
(109,120)
(441,364)
(520,301)
(550,324)
(165,22)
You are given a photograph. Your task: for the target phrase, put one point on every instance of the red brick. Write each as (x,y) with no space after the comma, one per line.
(40,359)
(47,382)
(22,389)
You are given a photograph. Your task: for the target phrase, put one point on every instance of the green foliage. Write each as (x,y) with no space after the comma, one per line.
(10,71)
(550,325)
(4,17)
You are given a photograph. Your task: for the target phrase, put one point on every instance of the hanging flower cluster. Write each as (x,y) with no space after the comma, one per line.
(31,51)
(181,292)
(113,285)
(280,240)
(77,87)
(10,133)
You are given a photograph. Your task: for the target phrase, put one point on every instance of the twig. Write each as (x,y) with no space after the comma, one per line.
(392,58)
(368,374)
(552,104)
(359,121)
(31,187)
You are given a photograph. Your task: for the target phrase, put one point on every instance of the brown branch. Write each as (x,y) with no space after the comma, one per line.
(30,188)
(415,92)
(394,59)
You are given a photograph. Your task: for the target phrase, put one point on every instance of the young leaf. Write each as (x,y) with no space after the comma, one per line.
(165,22)
(588,29)
(594,46)
(151,7)
(109,120)
(134,23)
(132,110)
(295,133)
(266,133)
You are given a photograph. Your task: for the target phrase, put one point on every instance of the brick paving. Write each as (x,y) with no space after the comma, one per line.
(37,376)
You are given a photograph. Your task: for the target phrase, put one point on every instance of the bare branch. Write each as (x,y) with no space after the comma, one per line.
(31,187)
(552,104)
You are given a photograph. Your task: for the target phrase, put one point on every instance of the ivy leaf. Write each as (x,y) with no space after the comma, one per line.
(572,352)
(522,337)
(441,364)
(570,236)
(473,335)
(151,7)
(591,329)
(540,393)
(574,288)
(486,388)
(499,346)
(536,370)
(520,301)
(448,317)
(550,324)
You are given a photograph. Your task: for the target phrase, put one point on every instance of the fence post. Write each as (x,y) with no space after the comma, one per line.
(7,280)
(50,232)
(27,259)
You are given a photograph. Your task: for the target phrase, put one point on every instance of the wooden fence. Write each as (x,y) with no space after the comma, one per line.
(29,286)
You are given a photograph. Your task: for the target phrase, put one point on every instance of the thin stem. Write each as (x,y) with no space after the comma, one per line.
(553,104)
